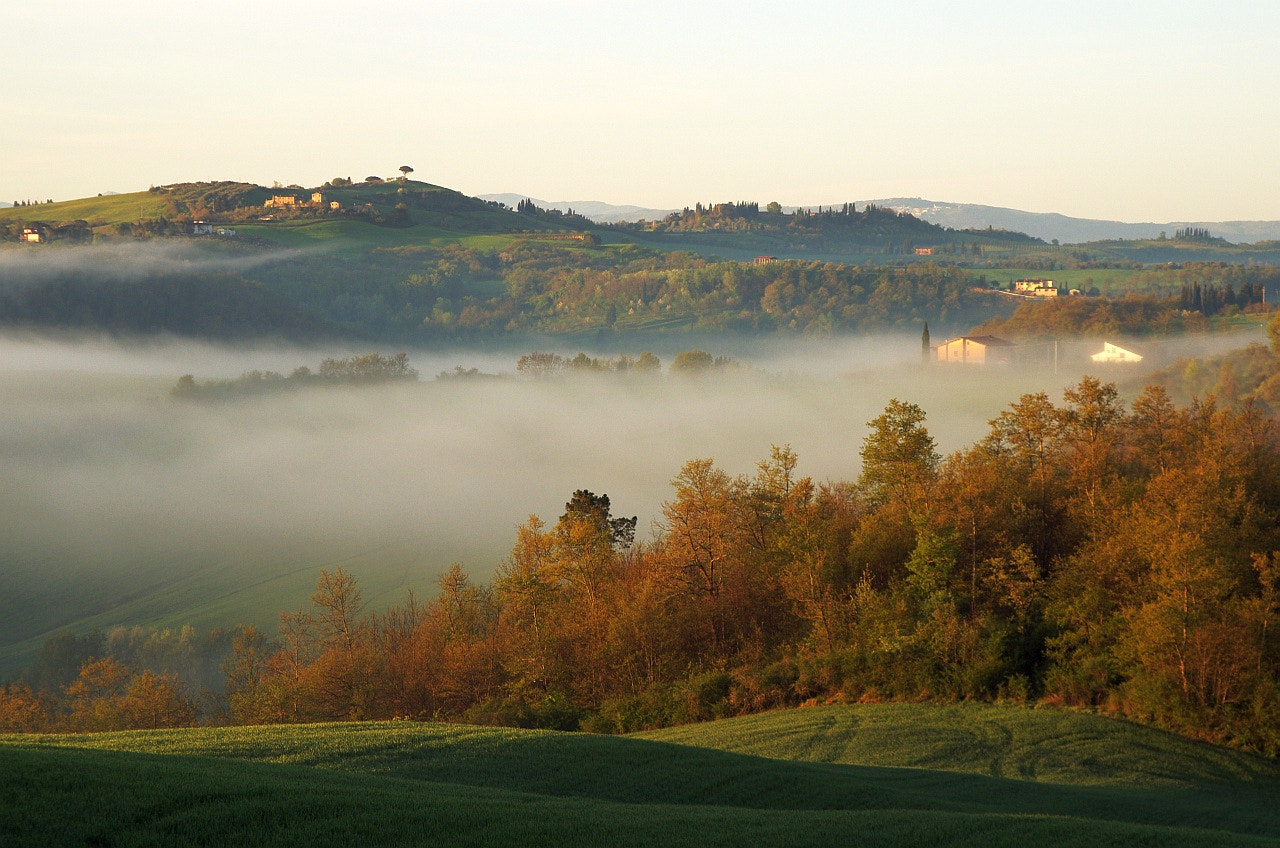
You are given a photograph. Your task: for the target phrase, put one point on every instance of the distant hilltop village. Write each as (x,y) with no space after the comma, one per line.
(292,201)
(213,208)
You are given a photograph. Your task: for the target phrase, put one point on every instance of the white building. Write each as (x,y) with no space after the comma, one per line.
(1115,353)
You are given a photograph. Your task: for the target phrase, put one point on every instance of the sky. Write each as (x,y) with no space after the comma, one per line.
(1133,111)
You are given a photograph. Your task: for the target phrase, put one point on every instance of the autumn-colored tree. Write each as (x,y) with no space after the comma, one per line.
(284,687)
(1187,529)
(1091,434)
(95,697)
(154,700)
(701,547)
(246,670)
(816,523)
(899,457)
(528,594)
(1157,431)
(346,677)
(24,710)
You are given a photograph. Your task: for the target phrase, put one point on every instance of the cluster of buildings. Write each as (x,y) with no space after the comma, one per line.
(293,201)
(204,228)
(1036,288)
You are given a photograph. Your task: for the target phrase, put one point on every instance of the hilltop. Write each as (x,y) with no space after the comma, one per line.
(1047,226)
(280,215)
(172,209)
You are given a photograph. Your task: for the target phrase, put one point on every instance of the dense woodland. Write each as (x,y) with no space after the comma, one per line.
(1086,553)
(873,228)
(567,287)
(533,285)
(1248,375)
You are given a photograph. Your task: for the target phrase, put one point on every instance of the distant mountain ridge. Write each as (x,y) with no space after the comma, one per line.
(1066,229)
(598,211)
(960,216)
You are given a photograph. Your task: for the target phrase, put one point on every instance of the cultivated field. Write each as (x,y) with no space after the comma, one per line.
(870,775)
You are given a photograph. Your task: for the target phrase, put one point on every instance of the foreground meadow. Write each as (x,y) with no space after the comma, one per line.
(877,775)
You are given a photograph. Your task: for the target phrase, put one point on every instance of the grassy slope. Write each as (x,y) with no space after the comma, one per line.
(251,585)
(1008,741)
(353,236)
(402,783)
(98,211)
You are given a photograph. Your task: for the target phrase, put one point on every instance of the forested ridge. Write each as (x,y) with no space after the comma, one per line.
(453,293)
(1087,552)
(567,286)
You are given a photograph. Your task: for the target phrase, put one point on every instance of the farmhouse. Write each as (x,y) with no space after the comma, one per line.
(1115,353)
(201,228)
(34,234)
(975,350)
(293,201)
(1038,288)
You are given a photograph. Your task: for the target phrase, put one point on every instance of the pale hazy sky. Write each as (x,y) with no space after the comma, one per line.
(1122,109)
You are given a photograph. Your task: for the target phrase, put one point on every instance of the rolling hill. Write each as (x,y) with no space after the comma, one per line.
(409,783)
(963,216)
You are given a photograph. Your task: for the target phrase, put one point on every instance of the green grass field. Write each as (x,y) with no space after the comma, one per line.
(867,775)
(1111,281)
(98,211)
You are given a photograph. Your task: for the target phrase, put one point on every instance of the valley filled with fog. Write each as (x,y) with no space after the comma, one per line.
(125,505)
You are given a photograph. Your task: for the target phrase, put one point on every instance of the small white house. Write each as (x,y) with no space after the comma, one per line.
(1115,353)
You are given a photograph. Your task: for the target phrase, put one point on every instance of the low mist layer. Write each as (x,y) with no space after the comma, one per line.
(124,505)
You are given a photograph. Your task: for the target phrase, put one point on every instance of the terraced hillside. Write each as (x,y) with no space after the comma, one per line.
(410,784)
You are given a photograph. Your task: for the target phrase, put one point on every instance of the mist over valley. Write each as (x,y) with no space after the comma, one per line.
(345,502)
(126,505)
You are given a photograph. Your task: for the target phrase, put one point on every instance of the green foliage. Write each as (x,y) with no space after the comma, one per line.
(898,455)
(692,362)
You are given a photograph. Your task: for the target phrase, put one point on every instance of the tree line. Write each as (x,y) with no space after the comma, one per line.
(1089,553)
(364,369)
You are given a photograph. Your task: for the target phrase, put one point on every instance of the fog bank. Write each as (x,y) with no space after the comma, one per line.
(123,505)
